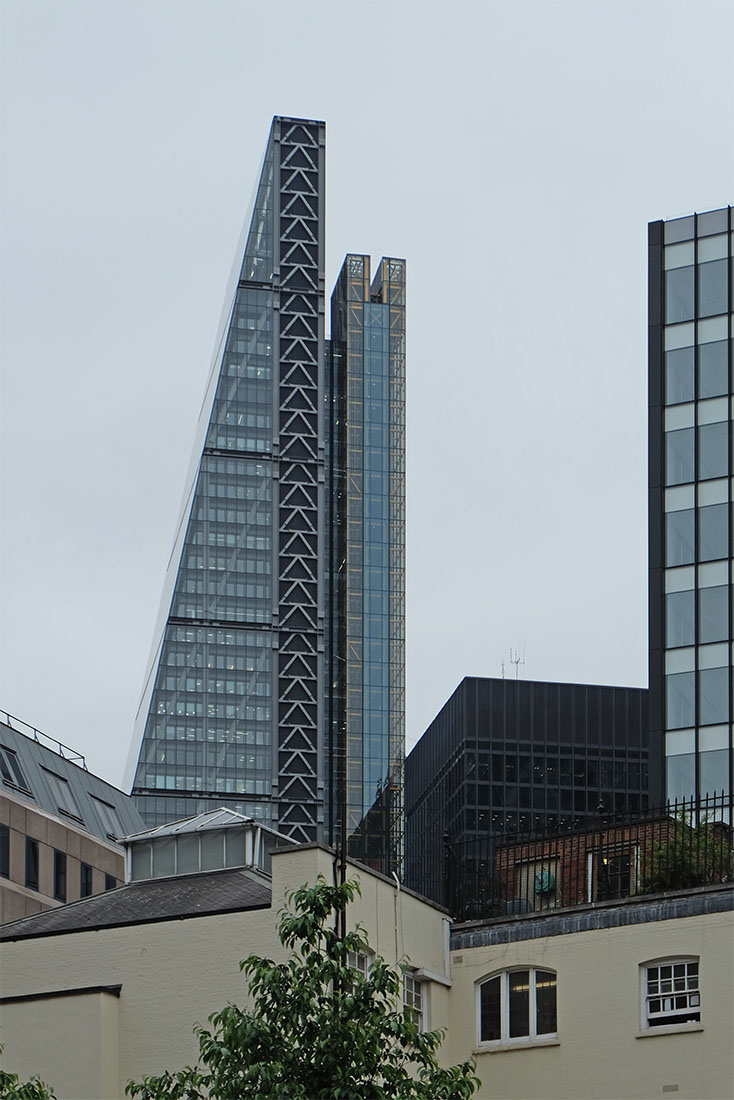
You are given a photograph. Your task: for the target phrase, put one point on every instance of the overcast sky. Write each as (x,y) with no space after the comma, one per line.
(512,152)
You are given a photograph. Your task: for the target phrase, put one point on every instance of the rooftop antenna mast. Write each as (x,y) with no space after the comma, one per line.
(516,660)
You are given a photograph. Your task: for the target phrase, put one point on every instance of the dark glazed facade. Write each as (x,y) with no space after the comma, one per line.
(506,756)
(237,707)
(690,511)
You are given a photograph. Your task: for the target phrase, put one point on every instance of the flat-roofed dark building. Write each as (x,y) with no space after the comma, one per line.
(506,756)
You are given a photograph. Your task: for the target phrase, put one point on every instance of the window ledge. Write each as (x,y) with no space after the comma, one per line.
(667,1029)
(522,1044)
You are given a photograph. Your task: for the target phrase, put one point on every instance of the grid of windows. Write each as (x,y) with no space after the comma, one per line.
(671,993)
(692,256)
(510,756)
(209,728)
(361,961)
(252,547)
(366,595)
(242,414)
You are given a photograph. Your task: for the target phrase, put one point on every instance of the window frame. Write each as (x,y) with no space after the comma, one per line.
(63,794)
(11,766)
(604,854)
(665,1022)
(32,860)
(108,816)
(4,851)
(86,872)
(60,876)
(533,1038)
(361,961)
(414,997)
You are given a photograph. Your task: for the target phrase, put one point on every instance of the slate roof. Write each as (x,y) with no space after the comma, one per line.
(43,778)
(176,898)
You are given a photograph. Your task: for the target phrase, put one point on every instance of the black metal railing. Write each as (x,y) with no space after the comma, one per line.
(28,730)
(683,845)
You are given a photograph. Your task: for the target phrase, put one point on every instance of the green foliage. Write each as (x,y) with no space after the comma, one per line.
(318,1029)
(12,1088)
(690,855)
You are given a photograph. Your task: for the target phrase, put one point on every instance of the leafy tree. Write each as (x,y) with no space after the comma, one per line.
(690,854)
(318,1028)
(12,1088)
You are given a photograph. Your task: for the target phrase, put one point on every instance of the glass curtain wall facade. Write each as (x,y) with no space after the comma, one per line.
(690,462)
(237,705)
(367,559)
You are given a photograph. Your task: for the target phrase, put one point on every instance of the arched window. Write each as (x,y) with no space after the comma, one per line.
(517,1005)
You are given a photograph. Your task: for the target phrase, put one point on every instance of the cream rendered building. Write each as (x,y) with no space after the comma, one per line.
(91,1008)
(567,1004)
(607,962)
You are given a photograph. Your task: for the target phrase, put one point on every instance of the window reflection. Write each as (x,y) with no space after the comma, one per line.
(680,700)
(712,369)
(679,376)
(712,288)
(713,614)
(679,537)
(714,696)
(681,776)
(713,536)
(714,769)
(679,294)
(680,619)
(713,455)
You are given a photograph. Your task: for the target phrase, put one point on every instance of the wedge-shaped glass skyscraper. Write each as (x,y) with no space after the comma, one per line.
(691,493)
(276,686)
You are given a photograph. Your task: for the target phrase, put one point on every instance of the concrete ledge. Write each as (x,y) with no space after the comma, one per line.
(668,1029)
(531,926)
(523,1044)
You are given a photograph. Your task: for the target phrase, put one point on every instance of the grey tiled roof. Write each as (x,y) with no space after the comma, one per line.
(152,900)
(95,805)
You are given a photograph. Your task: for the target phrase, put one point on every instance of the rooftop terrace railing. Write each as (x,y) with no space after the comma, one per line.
(59,747)
(683,845)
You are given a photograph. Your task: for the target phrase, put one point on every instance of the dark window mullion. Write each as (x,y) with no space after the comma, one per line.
(730,517)
(697,474)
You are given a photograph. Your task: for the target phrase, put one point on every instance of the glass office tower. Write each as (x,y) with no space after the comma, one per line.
(690,464)
(366,465)
(237,698)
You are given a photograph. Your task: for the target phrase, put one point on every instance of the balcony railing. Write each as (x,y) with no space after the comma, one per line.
(683,845)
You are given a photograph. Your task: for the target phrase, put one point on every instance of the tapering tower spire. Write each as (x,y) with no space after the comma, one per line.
(232,708)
